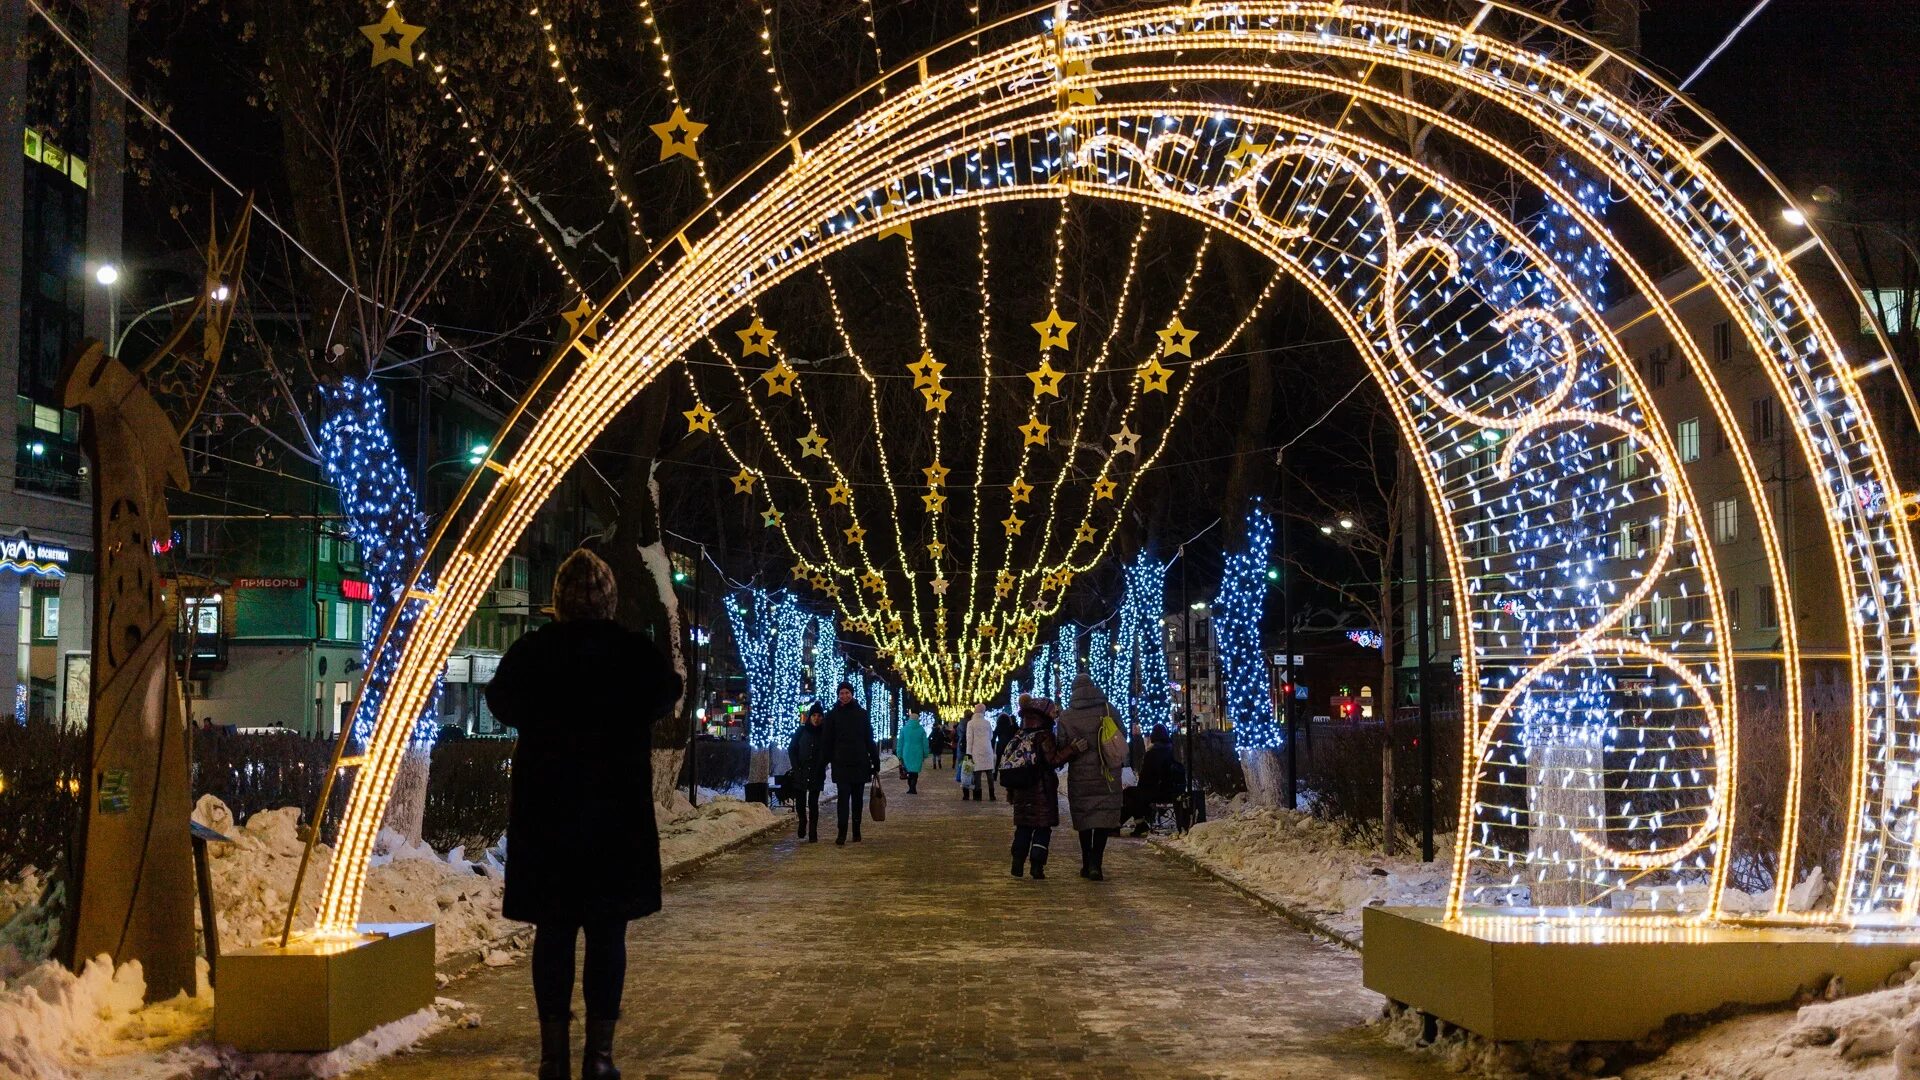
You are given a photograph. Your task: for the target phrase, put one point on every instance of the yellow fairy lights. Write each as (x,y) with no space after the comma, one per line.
(1669,867)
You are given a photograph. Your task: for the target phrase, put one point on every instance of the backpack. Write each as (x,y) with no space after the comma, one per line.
(1020,762)
(1111,742)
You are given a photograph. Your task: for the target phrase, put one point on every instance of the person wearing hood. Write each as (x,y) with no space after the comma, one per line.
(980,747)
(807,761)
(911,749)
(855,757)
(1032,759)
(1094,794)
(584,853)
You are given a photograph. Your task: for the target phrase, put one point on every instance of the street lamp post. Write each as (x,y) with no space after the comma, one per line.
(1186,622)
(1286,623)
(1425,653)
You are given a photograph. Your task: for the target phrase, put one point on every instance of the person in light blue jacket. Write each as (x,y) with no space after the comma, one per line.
(911,749)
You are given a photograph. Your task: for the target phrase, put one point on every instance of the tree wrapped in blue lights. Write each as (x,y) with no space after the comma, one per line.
(769,632)
(1043,680)
(1066,659)
(1102,663)
(383,519)
(1144,645)
(1237,612)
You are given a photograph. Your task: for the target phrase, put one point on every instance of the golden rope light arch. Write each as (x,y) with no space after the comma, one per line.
(1081,110)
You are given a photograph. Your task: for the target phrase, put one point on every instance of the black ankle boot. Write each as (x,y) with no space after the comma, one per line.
(596,1059)
(1020,867)
(556,1050)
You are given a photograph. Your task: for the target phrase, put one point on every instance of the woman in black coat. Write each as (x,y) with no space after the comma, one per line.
(854,755)
(807,761)
(583,850)
(1036,795)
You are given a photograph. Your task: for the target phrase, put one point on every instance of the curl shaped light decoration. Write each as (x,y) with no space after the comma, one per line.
(1601,741)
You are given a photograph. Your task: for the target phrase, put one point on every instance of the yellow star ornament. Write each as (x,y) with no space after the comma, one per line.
(936,474)
(986,629)
(936,548)
(855,534)
(1013,523)
(1033,432)
(897,224)
(1022,491)
(779,379)
(874,581)
(1154,376)
(678,135)
(940,586)
(1002,588)
(699,418)
(743,482)
(772,518)
(1046,381)
(581,316)
(756,338)
(1084,534)
(1104,488)
(926,372)
(1247,151)
(838,494)
(1176,340)
(813,444)
(936,398)
(1053,330)
(800,571)
(1127,441)
(392,38)
(934,500)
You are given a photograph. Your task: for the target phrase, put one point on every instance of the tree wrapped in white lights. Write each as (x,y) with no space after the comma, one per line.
(1237,612)
(769,631)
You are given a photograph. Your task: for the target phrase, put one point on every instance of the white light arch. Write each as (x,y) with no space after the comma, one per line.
(1536,377)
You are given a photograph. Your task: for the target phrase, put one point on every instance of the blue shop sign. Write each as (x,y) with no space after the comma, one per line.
(22,554)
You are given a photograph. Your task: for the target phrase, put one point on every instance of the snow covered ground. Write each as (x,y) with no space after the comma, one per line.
(56,1025)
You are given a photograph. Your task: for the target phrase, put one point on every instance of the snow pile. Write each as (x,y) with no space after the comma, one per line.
(253,877)
(1300,862)
(1873,1035)
(688,834)
(53,1022)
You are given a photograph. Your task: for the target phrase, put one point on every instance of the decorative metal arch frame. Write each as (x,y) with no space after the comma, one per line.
(1086,109)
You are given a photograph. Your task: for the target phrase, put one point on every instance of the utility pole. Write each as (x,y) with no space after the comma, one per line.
(1186,673)
(1286,624)
(1425,653)
(698,677)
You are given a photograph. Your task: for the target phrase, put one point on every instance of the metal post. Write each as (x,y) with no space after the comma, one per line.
(1286,625)
(1186,673)
(698,676)
(1426,690)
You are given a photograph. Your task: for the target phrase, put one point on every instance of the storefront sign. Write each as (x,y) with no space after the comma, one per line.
(23,554)
(270,583)
(356,590)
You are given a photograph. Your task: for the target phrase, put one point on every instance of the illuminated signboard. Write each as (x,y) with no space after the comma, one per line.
(356,590)
(22,554)
(270,583)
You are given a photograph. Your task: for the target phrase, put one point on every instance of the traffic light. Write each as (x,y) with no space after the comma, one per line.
(1273,574)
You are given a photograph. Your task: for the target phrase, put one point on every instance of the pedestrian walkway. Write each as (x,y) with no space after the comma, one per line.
(914,953)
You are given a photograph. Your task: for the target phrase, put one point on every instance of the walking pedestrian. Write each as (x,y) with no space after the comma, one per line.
(1028,772)
(1004,729)
(911,749)
(807,771)
(938,743)
(583,692)
(855,757)
(980,749)
(1093,777)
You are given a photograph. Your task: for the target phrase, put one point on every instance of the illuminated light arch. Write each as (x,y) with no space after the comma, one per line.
(1545,376)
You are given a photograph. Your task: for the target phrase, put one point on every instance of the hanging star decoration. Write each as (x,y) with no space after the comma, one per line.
(939,586)
(1085,96)
(392,38)
(580,320)
(1154,376)
(772,518)
(699,418)
(838,494)
(779,378)
(818,581)
(1127,441)
(813,444)
(756,338)
(935,501)
(1176,339)
(855,534)
(743,482)
(897,222)
(1247,151)
(936,474)
(1013,523)
(936,548)
(936,398)
(926,371)
(1084,534)
(893,626)
(1033,432)
(1046,381)
(1053,330)
(1022,491)
(874,581)
(986,629)
(800,571)
(1104,488)
(885,603)
(678,135)
(1002,588)
(833,590)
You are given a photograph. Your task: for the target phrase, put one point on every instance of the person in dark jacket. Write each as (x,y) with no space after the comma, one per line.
(583,850)
(1036,803)
(855,757)
(807,761)
(1162,779)
(937,743)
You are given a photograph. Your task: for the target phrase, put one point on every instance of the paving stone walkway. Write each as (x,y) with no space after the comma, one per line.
(915,953)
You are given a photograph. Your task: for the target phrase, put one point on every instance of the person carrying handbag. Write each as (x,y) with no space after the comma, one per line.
(855,757)
(1094,792)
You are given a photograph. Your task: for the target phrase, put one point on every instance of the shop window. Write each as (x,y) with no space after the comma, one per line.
(48,623)
(1688,436)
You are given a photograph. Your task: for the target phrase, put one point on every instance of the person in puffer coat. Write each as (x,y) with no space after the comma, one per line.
(807,755)
(980,748)
(911,749)
(583,851)
(1094,794)
(1035,798)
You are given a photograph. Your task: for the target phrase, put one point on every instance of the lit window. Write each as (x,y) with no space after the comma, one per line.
(342,621)
(50,616)
(1726,521)
(1688,436)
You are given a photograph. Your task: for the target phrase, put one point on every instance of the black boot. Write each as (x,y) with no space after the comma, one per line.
(1019,866)
(1039,864)
(556,1050)
(596,1059)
